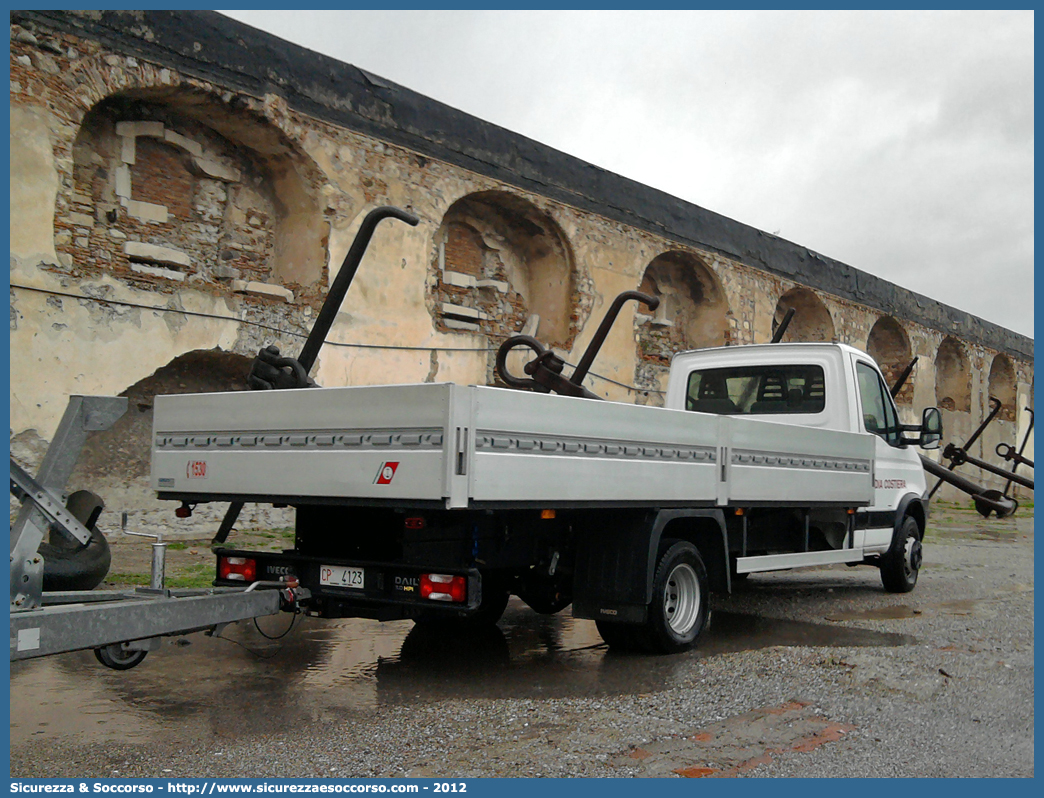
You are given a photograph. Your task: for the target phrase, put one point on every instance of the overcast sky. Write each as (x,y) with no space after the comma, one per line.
(900,143)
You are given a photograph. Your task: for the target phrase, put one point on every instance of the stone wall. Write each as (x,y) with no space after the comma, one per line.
(167,202)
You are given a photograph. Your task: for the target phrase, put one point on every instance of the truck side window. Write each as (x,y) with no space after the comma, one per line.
(757,390)
(879,416)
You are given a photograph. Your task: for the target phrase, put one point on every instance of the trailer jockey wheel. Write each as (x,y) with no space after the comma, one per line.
(119,658)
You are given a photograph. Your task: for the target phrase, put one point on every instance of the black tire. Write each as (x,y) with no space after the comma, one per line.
(545,602)
(621,636)
(902,563)
(680,604)
(118,658)
(68,565)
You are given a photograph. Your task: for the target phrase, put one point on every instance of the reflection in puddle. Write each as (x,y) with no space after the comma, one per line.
(327,670)
(895,613)
(745,632)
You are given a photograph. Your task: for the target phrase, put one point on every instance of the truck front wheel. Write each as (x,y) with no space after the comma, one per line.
(680,605)
(902,563)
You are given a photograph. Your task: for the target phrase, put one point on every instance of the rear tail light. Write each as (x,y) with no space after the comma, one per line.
(444,587)
(237,569)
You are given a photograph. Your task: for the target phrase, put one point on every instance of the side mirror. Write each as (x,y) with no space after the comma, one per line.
(931,428)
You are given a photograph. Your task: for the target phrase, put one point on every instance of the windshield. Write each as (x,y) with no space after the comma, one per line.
(757,390)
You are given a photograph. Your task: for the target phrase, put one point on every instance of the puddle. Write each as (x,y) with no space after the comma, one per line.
(961,607)
(972,606)
(738,632)
(329,670)
(992,533)
(998,535)
(895,613)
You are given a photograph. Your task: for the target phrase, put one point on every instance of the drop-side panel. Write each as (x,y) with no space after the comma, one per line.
(483,445)
(541,448)
(382,442)
(771,462)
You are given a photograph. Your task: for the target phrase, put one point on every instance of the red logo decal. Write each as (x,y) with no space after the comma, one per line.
(386,473)
(197,469)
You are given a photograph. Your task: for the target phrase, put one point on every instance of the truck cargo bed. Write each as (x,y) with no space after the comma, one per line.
(469,446)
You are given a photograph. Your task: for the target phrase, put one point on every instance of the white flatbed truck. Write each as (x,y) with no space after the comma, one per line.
(436,501)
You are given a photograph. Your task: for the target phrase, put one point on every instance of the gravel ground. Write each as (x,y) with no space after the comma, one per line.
(955,700)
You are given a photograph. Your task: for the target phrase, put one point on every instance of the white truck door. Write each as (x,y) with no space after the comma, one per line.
(892,463)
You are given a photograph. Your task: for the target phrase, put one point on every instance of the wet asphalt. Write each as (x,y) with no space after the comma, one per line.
(802,673)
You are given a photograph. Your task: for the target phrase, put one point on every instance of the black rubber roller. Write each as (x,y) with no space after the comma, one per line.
(69,565)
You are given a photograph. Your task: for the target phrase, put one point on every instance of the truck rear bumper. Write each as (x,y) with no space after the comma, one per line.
(388,591)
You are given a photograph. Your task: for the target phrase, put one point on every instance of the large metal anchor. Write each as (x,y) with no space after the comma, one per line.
(995,406)
(271,370)
(958,456)
(1009,453)
(545,370)
(986,500)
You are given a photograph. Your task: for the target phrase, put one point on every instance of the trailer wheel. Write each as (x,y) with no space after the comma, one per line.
(902,563)
(680,603)
(119,658)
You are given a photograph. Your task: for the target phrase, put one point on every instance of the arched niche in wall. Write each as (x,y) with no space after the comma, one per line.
(952,376)
(889,345)
(693,314)
(173,184)
(1003,386)
(811,321)
(504,267)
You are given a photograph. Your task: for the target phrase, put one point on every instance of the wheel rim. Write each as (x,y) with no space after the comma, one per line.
(681,599)
(911,557)
(120,656)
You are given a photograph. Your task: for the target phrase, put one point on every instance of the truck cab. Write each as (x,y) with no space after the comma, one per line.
(829,386)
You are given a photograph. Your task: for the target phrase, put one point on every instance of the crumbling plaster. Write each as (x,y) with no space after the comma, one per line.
(62,346)
(34,185)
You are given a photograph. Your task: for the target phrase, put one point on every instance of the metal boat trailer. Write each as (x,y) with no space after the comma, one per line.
(121,626)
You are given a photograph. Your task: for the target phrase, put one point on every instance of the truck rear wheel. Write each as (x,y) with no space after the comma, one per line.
(680,604)
(902,563)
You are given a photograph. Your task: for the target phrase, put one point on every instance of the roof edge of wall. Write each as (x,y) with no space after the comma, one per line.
(215,48)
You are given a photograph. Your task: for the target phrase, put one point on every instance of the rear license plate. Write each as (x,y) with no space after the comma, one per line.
(341,576)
